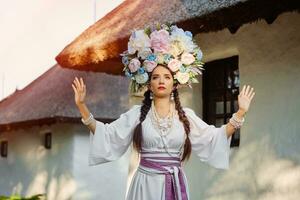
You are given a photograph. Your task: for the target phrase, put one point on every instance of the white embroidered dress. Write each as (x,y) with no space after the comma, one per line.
(111,140)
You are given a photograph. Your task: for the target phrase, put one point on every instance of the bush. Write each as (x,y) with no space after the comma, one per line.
(17,197)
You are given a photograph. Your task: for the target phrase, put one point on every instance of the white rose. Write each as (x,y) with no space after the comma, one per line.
(187,58)
(182,77)
(174,65)
(175,49)
(138,41)
(141,78)
(149,65)
(160,58)
(144,53)
(185,42)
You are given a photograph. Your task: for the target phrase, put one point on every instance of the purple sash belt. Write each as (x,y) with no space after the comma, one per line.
(175,188)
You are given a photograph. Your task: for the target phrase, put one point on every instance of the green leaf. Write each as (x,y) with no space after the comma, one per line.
(194,80)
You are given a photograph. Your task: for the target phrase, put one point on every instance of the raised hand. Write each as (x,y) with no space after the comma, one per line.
(245,97)
(79,90)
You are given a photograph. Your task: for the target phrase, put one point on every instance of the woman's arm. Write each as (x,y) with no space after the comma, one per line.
(79,95)
(244,99)
(229,127)
(84,111)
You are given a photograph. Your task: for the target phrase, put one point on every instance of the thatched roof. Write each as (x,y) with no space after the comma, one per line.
(98,47)
(50,99)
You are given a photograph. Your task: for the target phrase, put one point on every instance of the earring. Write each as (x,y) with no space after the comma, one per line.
(172,96)
(151,95)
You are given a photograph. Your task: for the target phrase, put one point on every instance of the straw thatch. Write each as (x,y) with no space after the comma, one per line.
(98,47)
(50,99)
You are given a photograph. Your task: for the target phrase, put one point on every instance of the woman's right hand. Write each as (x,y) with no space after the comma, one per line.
(79,91)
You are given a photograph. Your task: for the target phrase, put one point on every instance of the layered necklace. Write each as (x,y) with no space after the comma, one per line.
(162,125)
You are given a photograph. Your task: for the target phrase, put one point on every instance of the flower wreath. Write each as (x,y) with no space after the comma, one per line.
(163,44)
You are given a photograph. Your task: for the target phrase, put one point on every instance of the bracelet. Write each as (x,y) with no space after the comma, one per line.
(88,120)
(236,123)
(236,119)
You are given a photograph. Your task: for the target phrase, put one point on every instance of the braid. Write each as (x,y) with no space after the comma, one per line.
(186,123)
(137,135)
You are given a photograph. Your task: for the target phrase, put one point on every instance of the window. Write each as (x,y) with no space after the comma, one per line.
(48,140)
(220,93)
(4,147)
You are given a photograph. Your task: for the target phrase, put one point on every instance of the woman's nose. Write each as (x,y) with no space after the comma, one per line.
(161,80)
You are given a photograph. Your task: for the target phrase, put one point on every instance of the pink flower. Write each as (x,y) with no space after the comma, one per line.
(134,65)
(174,65)
(160,41)
(187,58)
(149,65)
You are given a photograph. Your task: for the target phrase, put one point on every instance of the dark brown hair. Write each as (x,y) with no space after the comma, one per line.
(146,105)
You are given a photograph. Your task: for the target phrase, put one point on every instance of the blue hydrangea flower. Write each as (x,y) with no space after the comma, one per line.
(141,78)
(128,74)
(125,60)
(188,33)
(167,58)
(182,68)
(199,54)
(133,34)
(141,70)
(151,57)
(173,27)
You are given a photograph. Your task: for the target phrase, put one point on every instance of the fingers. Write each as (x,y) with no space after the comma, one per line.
(84,88)
(251,90)
(75,91)
(76,82)
(248,92)
(81,81)
(243,90)
(252,96)
(80,86)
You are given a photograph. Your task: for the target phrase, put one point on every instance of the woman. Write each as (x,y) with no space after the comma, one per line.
(162,131)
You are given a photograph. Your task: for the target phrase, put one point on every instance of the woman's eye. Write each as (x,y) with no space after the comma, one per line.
(154,77)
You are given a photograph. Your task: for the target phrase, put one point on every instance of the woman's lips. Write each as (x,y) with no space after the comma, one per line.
(161,88)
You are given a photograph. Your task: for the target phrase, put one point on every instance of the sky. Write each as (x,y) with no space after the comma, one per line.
(33,32)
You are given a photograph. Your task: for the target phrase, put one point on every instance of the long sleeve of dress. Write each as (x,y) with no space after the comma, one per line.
(209,143)
(111,140)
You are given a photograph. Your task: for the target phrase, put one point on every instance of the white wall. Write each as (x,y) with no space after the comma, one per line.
(267,163)
(105,181)
(62,172)
(30,168)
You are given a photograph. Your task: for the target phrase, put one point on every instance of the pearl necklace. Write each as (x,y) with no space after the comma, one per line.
(163,125)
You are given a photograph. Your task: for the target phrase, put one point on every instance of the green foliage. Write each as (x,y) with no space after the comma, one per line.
(18,197)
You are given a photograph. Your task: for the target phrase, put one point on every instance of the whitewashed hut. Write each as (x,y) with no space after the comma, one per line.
(44,145)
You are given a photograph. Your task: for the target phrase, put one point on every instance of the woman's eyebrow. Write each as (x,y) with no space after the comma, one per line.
(158,74)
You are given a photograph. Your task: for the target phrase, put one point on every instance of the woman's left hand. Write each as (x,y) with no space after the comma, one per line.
(245,97)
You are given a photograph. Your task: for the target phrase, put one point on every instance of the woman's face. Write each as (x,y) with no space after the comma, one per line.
(161,82)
